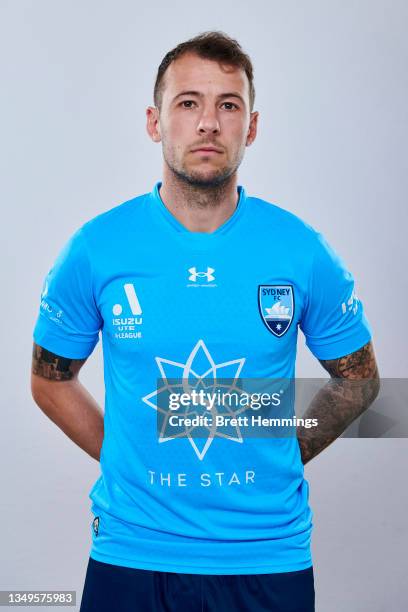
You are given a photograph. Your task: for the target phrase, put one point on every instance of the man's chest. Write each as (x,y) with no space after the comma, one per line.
(247,301)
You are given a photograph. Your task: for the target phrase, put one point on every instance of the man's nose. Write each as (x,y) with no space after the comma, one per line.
(208,123)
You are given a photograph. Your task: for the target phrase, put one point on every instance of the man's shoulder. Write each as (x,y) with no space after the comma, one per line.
(117,216)
(279,218)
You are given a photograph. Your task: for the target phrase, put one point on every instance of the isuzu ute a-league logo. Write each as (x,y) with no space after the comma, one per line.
(124,326)
(276,307)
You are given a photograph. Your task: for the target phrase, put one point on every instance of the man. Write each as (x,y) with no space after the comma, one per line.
(196,282)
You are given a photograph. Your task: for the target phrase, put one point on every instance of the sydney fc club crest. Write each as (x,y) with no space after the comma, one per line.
(276,306)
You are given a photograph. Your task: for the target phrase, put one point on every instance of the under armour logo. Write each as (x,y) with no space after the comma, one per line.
(208,275)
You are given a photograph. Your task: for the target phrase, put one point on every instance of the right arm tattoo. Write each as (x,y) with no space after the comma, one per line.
(52,366)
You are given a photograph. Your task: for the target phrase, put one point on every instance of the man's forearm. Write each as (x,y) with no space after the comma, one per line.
(70,406)
(334,407)
(354,385)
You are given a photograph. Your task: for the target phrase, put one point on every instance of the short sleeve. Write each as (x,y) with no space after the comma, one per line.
(333,321)
(68,322)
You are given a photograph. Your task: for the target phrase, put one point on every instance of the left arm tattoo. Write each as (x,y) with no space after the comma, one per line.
(354,385)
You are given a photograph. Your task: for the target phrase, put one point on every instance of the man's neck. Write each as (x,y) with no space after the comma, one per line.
(199,209)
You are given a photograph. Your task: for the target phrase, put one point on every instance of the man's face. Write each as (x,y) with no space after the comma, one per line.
(205,121)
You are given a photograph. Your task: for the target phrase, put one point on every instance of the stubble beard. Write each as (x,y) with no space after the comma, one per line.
(213,183)
(197,180)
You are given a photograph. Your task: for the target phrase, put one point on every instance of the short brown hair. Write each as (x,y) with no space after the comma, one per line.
(215,46)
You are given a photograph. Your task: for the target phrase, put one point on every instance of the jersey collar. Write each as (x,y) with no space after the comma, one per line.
(159,208)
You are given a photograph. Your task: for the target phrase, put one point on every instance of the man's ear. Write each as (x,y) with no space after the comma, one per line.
(153,123)
(253,128)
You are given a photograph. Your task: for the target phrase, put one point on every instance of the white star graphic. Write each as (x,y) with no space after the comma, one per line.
(187,379)
(279,326)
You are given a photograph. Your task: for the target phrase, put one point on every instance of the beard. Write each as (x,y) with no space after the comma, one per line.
(196,179)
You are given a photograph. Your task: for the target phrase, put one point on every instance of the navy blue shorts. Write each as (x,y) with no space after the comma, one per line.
(113,588)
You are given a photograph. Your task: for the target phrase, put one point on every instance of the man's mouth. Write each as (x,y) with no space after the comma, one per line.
(207,149)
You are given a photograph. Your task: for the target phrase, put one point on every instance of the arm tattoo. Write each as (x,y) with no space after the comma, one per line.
(52,366)
(358,365)
(354,385)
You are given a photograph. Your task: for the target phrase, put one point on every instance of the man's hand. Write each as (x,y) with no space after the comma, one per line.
(57,391)
(354,385)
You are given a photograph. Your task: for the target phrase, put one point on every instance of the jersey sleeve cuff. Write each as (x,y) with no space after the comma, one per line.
(334,349)
(72,348)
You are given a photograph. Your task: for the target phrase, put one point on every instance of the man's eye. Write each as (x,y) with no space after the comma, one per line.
(230,105)
(187,103)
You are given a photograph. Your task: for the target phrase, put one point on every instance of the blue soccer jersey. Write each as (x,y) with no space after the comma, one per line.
(174,304)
